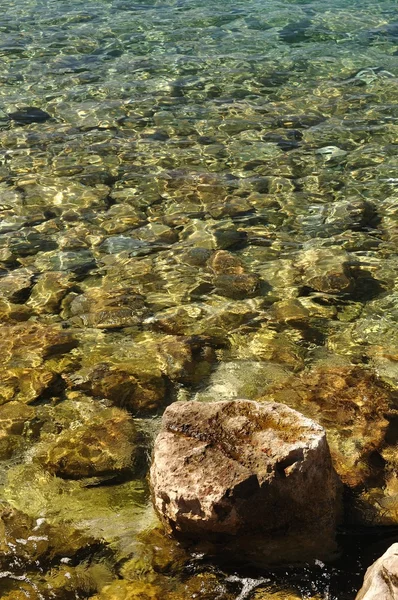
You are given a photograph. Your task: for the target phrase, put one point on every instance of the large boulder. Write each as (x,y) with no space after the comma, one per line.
(250,479)
(381,579)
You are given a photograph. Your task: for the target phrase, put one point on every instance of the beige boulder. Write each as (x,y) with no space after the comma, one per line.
(248,478)
(381,579)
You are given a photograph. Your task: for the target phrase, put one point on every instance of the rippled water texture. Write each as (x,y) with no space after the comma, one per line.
(198,199)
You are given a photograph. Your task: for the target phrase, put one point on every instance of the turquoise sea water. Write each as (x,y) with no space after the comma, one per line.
(170,131)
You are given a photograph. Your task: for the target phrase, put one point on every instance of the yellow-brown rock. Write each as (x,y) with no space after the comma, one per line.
(16,285)
(28,344)
(230,278)
(137,375)
(48,292)
(140,392)
(267,344)
(350,403)
(256,480)
(326,270)
(105,308)
(103,446)
(24,384)
(223,262)
(14,416)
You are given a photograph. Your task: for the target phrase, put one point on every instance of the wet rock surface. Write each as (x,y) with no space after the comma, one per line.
(105,446)
(24,540)
(352,405)
(381,579)
(249,472)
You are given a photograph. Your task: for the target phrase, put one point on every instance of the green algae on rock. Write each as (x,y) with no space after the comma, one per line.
(351,403)
(155,552)
(21,537)
(82,514)
(104,446)
(26,539)
(202,586)
(139,374)
(242,379)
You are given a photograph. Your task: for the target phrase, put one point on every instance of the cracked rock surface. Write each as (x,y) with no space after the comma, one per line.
(248,477)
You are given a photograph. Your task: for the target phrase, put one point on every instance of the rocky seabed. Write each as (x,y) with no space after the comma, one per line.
(198,300)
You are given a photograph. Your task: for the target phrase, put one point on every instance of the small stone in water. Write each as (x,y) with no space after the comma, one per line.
(295,32)
(29,114)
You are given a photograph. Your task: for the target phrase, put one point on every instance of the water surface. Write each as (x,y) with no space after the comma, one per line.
(206,208)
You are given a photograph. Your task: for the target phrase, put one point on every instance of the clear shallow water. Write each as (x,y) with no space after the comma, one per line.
(179,130)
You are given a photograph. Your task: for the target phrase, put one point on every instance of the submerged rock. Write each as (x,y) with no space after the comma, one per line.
(139,390)
(256,478)
(230,278)
(241,378)
(351,404)
(104,446)
(25,385)
(155,552)
(48,292)
(26,540)
(138,375)
(79,262)
(15,418)
(30,352)
(389,32)
(297,32)
(12,313)
(201,586)
(326,270)
(25,242)
(269,345)
(83,515)
(15,286)
(29,114)
(68,581)
(239,286)
(381,579)
(28,344)
(127,590)
(105,308)
(21,536)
